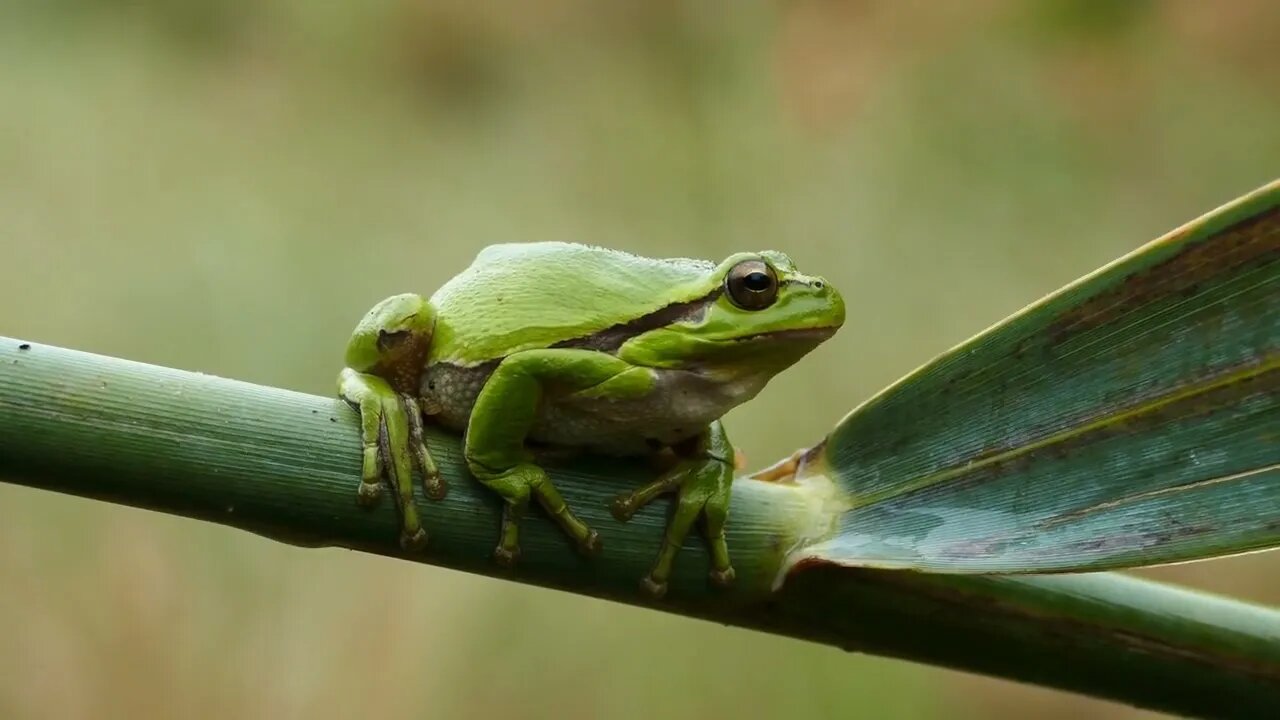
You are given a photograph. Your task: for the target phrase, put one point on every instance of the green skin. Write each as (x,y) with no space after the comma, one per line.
(548,347)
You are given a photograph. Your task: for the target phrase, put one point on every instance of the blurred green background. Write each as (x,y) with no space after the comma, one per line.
(227,186)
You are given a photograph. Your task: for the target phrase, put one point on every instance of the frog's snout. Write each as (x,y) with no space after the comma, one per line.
(836,301)
(825,301)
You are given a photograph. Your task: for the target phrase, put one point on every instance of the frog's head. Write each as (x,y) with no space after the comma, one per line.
(758,314)
(392,340)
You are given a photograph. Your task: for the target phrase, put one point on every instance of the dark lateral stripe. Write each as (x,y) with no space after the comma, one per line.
(612,338)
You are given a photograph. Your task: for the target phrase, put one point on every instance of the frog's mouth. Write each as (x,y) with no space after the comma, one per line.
(814,334)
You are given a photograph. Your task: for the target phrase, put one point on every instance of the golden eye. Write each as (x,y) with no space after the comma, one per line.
(752,285)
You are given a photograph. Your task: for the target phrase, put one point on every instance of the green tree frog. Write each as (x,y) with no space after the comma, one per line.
(567,346)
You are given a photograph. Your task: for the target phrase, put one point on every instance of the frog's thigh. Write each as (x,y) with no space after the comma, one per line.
(507,406)
(504,413)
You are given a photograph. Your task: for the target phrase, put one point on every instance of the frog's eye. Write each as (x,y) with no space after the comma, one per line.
(752,285)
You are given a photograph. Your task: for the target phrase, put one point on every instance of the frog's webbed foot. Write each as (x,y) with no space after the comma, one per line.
(391,434)
(702,485)
(516,486)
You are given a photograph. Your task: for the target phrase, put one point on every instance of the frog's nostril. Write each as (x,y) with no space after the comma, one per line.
(817,284)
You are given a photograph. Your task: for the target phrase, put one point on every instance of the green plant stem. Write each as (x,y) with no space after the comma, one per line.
(286,465)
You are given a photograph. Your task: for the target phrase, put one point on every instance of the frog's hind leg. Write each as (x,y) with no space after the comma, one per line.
(504,414)
(516,485)
(702,484)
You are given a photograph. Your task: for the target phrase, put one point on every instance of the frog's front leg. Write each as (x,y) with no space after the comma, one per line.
(504,414)
(384,359)
(702,482)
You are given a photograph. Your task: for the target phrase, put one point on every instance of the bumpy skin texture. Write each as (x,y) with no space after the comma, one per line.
(570,346)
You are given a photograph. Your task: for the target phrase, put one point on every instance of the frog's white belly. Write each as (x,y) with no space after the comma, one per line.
(681,405)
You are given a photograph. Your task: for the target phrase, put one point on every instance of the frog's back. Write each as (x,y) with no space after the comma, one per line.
(523,296)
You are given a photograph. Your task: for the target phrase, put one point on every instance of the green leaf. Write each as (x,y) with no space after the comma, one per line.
(1130,419)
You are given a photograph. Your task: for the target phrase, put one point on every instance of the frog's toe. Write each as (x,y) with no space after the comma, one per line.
(371,465)
(656,589)
(622,508)
(434,486)
(723,578)
(591,545)
(369,494)
(506,557)
(415,541)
